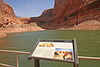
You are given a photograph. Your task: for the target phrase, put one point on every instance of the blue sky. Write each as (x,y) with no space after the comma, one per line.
(61,49)
(30,8)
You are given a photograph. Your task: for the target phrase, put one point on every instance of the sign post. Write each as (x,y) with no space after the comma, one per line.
(55,50)
(76,53)
(36,63)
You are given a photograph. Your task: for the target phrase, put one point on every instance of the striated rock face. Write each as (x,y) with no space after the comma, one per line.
(72,12)
(47,13)
(2,6)
(6,8)
(9,10)
(89,10)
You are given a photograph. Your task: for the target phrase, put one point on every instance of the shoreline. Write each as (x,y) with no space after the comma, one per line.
(5,31)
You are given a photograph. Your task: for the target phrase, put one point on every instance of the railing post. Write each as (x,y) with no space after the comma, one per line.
(17,65)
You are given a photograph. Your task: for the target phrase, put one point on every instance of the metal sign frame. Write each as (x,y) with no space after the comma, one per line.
(74,61)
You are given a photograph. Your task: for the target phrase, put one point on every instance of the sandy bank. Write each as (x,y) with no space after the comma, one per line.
(87,25)
(2,34)
(4,31)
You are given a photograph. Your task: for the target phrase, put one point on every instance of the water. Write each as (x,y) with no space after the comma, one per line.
(88,45)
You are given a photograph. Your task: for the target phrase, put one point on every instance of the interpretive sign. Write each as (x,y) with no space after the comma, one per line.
(56,50)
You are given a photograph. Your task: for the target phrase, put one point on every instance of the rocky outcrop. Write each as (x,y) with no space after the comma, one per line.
(7,16)
(72,12)
(25,20)
(43,22)
(7,21)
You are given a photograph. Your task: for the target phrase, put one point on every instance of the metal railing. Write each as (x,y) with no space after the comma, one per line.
(16,52)
(21,52)
(6,65)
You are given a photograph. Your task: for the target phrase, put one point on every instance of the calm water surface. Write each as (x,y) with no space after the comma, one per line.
(88,45)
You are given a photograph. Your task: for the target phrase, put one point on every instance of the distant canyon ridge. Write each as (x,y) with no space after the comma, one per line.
(66,14)
(69,13)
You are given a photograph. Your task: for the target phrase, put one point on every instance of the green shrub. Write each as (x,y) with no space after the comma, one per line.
(2,17)
(3,14)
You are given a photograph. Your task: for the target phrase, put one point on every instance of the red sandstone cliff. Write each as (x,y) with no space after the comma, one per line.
(8,9)
(73,12)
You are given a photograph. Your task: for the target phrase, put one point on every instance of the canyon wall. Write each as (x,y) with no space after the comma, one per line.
(73,12)
(67,13)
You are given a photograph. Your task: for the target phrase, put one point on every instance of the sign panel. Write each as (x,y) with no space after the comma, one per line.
(60,50)
(54,50)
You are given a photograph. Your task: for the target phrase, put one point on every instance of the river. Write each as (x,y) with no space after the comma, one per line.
(88,45)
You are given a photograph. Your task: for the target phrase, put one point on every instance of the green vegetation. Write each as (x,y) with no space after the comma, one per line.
(3,14)
(2,17)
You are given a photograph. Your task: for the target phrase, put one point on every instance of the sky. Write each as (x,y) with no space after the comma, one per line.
(30,8)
